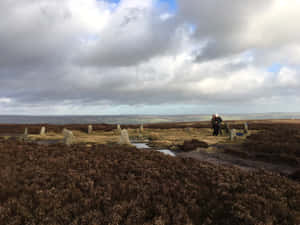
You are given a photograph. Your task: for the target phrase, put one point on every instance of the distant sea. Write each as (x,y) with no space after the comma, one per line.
(136,119)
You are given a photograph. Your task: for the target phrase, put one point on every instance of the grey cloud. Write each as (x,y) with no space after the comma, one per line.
(42,61)
(135,36)
(223,23)
(34,34)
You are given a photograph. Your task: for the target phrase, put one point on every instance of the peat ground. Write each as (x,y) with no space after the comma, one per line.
(277,144)
(112,184)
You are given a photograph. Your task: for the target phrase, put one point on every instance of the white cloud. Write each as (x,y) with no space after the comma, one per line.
(134,33)
(5,100)
(288,78)
(88,52)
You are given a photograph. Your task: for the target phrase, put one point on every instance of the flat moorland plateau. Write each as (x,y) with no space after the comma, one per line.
(254,179)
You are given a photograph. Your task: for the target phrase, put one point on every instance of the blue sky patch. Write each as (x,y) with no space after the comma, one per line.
(172,5)
(275,68)
(112,1)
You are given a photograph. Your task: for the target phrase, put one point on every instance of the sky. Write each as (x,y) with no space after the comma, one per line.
(103,57)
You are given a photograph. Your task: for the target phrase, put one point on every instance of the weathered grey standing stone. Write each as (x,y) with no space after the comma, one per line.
(26,132)
(90,129)
(246,130)
(119,127)
(69,138)
(118,130)
(232,134)
(124,138)
(142,128)
(43,131)
(24,137)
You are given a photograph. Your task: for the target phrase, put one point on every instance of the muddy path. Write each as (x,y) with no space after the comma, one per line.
(218,157)
(274,148)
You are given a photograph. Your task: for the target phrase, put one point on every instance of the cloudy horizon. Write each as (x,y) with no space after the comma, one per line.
(101,57)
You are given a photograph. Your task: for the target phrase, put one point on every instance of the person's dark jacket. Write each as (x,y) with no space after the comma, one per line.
(216,121)
(219,120)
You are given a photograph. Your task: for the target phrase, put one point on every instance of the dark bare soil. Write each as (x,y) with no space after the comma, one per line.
(122,185)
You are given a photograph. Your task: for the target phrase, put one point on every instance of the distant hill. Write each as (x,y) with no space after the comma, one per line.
(137,119)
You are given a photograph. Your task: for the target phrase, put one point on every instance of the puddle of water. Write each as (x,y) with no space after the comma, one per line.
(145,146)
(167,152)
(141,145)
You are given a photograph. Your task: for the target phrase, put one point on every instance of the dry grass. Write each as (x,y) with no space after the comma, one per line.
(47,136)
(178,136)
(157,137)
(100,137)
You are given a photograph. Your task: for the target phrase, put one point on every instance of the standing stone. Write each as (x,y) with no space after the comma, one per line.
(232,134)
(142,128)
(246,130)
(119,127)
(124,138)
(26,132)
(24,137)
(68,137)
(43,131)
(90,129)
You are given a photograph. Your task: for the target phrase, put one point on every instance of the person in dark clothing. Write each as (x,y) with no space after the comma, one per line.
(216,124)
(219,119)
